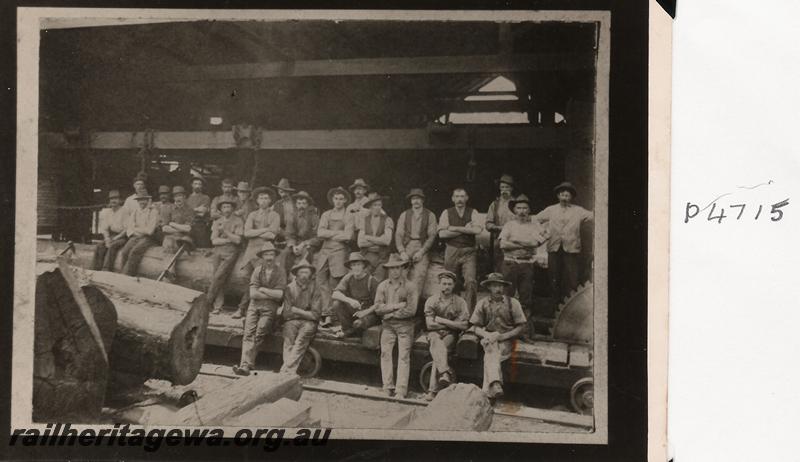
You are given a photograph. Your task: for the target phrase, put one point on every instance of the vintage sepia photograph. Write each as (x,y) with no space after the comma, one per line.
(392,225)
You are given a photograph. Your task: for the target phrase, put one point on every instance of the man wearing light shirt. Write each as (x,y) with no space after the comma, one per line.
(112,227)
(139,189)
(375,235)
(226,235)
(458,228)
(563,222)
(141,227)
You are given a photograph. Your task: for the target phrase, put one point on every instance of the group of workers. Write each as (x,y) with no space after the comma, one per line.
(313,270)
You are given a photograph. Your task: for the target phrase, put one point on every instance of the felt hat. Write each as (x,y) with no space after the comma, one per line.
(227,181)
(303,195)
(372,197)
(415,192)
(163,189)
(339,190)
(143,197)
(262,190)
(566,186)
(284,184)
(225,201)
(494,278)
(518,200)
(267,247)
(178,190)
(300,265)
(359,182)
(394,261)
(448,274)
(354,257)
(505,178)
(141,176)
(113,193)
(197,177)
(243,186)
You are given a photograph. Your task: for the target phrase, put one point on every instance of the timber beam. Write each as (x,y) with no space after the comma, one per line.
(438,138)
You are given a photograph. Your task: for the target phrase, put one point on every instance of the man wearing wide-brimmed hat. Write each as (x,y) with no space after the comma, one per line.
(498,215)
(178,223)
(226,236)
(139,189)
(301,311)
(247,202)
(112,226)
(458,227)
(563,222)
(415,235)
(446,316)
(375,234)
(141,227)
(335,230)
(519,240)
(396,304)
(355,209)
(284,205)
(227,195)
(267,285)
(262,226)
(354,295)
(498,320)
(301,231)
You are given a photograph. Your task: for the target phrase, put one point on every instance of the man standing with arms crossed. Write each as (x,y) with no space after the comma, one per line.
(301,231)
(302,308)
(458,228)
(416,232)
(226,235)
(446,316)
(178,223)
(335,230)
(375,235)
(497,216)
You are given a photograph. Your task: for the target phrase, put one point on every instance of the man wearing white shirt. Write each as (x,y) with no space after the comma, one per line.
(112,226)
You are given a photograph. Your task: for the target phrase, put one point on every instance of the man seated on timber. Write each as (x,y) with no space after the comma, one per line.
(163,206)
(301,231)
(375,235)
(247,202)
(354,295)
(302,308)
(519,240)
(415,235)
(267,285)
(497,216)
(112,226)
(141,227)
(335,231)
(226,235)
(396,304)
(227,195)
(498,320)
(458,228)
(177,224)
(262,226)
(446,316)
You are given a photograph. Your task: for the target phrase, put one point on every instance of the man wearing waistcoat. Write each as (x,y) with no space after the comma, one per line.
(416,232)
(497,216)
(375,235)
(458,228)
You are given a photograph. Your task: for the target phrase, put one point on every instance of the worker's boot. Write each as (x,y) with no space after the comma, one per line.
(430,395)
(495,390)
(445,380)
(241,370)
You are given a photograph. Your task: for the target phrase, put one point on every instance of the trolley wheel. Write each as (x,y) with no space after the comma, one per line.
(310,364)
(582,395)
(425,376)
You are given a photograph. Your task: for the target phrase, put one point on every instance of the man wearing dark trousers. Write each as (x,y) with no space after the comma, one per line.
(458,228)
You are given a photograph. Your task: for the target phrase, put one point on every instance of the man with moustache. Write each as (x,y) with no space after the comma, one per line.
(355,209)
(227,195)
(139,189)
(415,235)
(301,231)
(112,221)
(302,308)
(141,228)
(498,215)
(354,295)
(458,228)
(375,234)
(335,230)
(178,223)
(226,235)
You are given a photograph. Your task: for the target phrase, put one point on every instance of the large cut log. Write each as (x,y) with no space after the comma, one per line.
(161,328)
(284,413)
(459,407)
(70,370)
(241,396)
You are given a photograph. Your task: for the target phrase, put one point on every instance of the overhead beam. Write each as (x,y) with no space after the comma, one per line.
(455,137)
(378,66)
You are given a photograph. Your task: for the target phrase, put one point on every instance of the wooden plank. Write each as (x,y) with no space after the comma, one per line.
(451,137)
(360,391)
(469,64)
(545,415)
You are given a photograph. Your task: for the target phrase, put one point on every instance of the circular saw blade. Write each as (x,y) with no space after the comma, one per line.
(574,317)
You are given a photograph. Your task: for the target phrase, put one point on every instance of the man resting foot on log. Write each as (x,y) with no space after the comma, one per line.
(354,295)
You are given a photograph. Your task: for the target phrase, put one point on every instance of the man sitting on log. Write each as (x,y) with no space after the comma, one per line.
(178,223)
(112,226)
(446,316)
(267,285)
(498,320)
(301,231)
(227,195)
(416,232)
(226,235)
(354,295)
(302,308)
(375,235)
(141,227)
(335,230)
(164,205)
(262,226)
(396,303)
